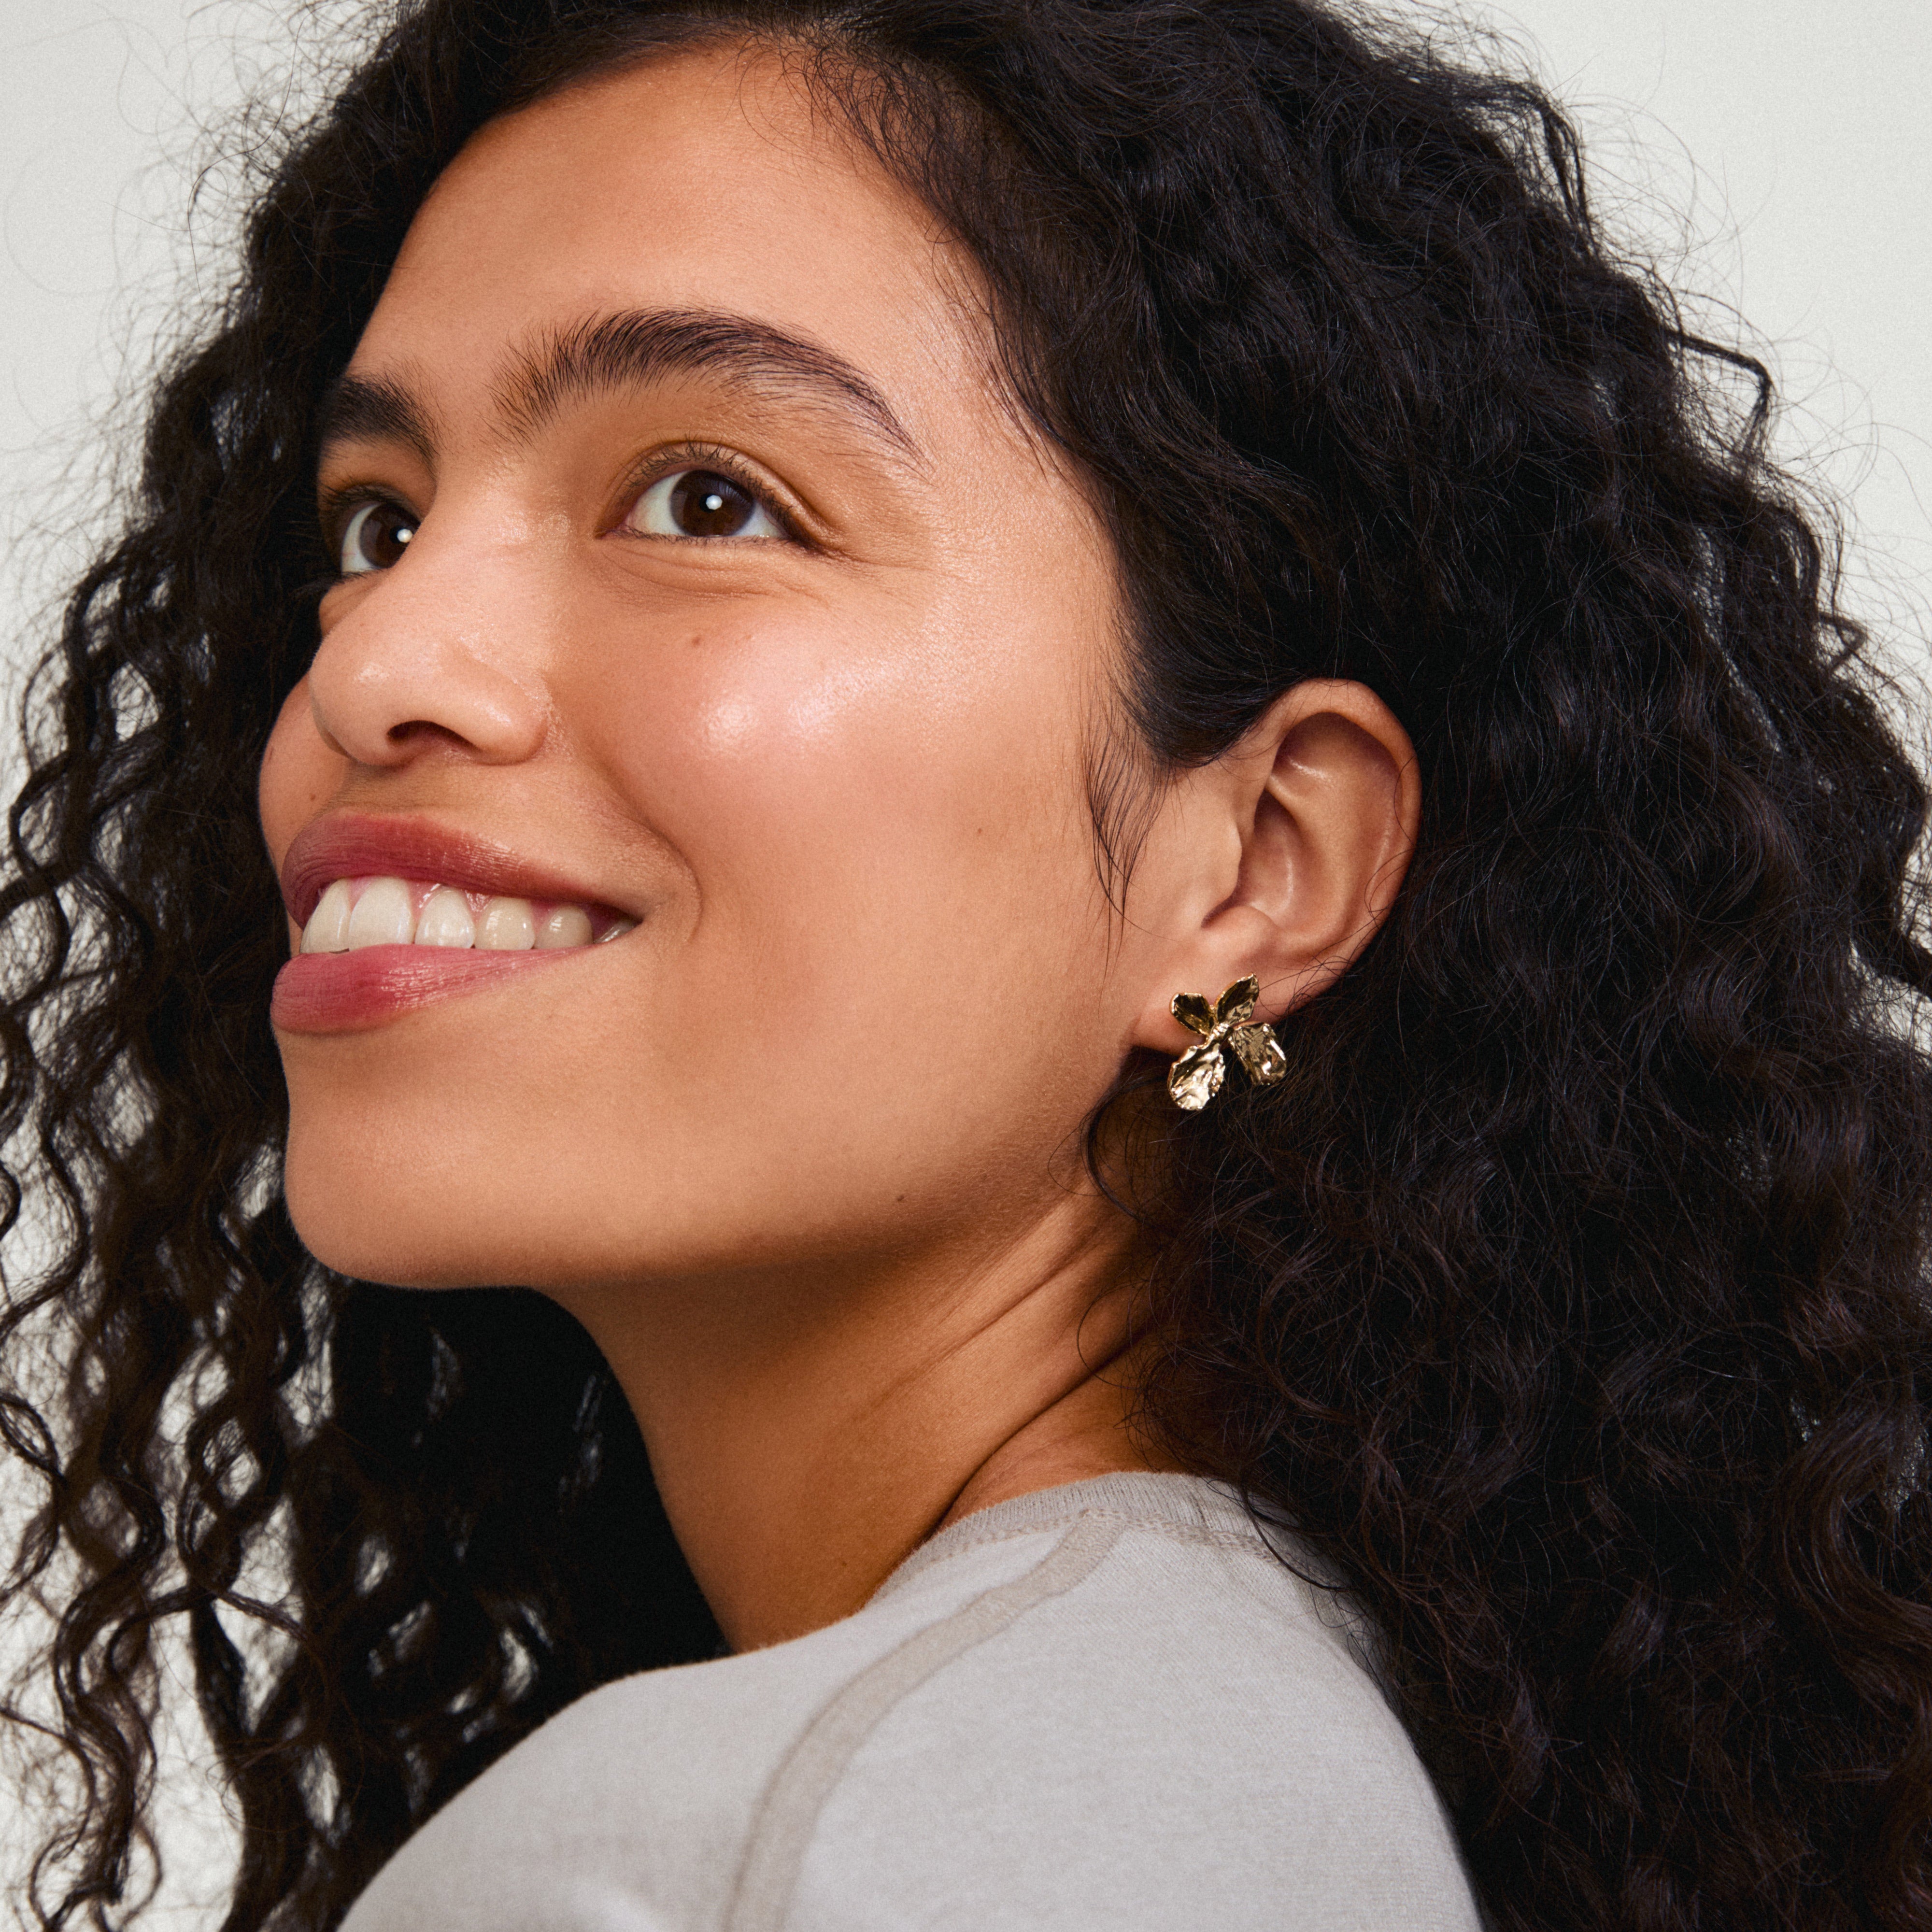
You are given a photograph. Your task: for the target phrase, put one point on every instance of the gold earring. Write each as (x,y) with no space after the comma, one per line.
(1196,1078)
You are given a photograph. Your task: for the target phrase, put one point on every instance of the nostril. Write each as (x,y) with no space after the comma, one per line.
(421,731)
(387,688)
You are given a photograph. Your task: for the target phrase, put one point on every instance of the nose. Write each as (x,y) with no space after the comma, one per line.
(443,653)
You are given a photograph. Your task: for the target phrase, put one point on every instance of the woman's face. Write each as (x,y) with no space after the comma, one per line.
(709,621)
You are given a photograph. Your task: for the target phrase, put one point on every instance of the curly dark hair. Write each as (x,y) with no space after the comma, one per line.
(1570,1293)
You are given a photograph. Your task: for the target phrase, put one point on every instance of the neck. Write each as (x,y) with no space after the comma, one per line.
(808,1432)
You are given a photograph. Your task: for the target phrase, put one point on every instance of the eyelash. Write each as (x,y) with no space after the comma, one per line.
(339,506)
(727,463)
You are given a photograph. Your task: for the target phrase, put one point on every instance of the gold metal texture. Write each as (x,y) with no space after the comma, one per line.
(1260,1054)
(1195,1077)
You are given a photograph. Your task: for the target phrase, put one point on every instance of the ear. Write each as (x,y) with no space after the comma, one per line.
(1281,858)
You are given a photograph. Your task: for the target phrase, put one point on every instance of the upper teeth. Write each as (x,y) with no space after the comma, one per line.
(356,912)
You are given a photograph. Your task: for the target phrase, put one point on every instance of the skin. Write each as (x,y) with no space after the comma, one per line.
(802,1152)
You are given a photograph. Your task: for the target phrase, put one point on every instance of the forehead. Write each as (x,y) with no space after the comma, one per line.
(702,182)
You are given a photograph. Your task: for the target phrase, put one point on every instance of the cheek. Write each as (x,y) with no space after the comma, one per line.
(298,775)
(819,783)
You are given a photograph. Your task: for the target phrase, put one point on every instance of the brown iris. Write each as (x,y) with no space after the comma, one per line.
(377,537)
(704,504)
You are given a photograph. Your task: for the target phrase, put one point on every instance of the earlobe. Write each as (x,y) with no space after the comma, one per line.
(1321,798)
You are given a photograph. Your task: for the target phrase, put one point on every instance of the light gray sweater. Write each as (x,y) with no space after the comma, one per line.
(1107,1705)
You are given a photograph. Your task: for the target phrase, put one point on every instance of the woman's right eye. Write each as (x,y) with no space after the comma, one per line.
(375,538)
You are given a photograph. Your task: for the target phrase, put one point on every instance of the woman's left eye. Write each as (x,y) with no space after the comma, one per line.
(700,503)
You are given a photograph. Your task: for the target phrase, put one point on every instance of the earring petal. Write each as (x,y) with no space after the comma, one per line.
(1193,1013)
(1260,1054)
(1237,1001)
(1196,1078)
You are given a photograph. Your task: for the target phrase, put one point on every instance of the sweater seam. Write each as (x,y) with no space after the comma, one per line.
(1249,1540)
(786,1819)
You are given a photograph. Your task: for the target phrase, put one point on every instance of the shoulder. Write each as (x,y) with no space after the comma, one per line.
(1158,1725)
(1109,1705)
(631,1809)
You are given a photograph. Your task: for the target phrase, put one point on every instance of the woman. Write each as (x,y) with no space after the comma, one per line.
(1106,820)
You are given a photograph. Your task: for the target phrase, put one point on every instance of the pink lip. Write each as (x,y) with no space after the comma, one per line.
(350,992)
(351,846)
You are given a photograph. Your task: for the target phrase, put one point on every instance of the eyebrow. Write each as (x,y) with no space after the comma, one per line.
(355,410)
(625,350)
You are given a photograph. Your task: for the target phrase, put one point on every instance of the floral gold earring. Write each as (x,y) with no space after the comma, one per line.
(1196,1078)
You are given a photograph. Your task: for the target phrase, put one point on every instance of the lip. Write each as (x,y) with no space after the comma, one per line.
(351,992)
(353,845)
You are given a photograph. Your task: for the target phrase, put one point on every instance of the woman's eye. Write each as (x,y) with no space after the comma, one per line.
(376,538)
(701,503)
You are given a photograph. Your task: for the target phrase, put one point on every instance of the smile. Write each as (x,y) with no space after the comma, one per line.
(396,913)
(354,914)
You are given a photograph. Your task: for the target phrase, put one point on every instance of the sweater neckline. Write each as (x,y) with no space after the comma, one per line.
(1196,1502)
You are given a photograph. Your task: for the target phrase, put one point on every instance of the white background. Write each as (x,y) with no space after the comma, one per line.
(1771,156)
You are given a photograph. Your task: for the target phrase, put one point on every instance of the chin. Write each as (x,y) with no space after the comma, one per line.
(383,1221)
(417,1262)
(453,1216)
